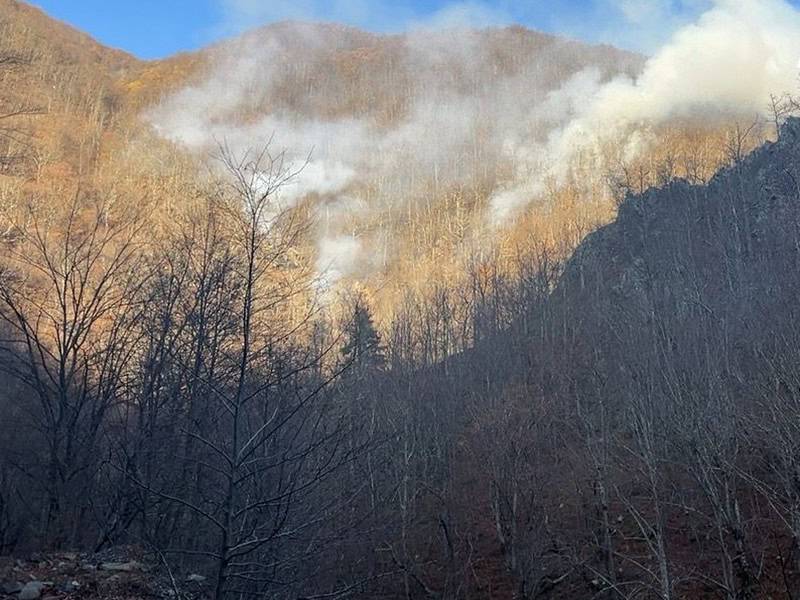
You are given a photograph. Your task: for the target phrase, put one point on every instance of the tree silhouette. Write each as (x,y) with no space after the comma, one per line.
(363,350)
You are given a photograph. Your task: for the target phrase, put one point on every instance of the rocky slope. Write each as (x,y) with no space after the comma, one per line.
(122,573)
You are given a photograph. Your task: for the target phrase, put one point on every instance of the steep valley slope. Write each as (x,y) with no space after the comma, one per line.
(409,139)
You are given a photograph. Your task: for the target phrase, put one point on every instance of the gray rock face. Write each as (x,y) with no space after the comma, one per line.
(671,243)
(31,591)
(126,567)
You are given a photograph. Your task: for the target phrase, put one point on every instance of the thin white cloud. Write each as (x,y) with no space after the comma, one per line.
(644,25)
(648,12)
(380,15)
(641,11)
(463,15)
(243,14)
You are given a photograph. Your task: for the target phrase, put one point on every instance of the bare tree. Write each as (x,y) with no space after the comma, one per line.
(262,436)
(782,106)
(65,298)
(15,139)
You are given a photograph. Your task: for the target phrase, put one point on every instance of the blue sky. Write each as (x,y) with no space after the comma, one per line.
(157,28)
(146,28)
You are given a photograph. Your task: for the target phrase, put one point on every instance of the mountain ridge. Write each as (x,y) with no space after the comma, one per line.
(45,26)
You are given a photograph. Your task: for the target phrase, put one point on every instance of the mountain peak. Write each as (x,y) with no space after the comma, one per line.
(31,26)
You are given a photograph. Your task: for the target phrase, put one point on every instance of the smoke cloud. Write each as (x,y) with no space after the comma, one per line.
(725,64)
(450,113)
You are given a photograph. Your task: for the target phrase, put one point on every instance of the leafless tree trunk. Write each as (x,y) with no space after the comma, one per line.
(66,298)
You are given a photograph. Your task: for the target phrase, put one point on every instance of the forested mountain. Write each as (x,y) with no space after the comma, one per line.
(67,82)
(648,419)
(320,313)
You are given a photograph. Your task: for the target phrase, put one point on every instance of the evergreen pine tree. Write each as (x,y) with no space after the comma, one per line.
(363,350)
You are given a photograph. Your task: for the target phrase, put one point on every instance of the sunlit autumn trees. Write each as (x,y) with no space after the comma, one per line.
(15,142)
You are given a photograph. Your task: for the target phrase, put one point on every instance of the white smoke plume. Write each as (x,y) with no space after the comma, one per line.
(336,257)
(463,115)
(729,62)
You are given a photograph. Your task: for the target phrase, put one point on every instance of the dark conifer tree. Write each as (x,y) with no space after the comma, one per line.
(363,349)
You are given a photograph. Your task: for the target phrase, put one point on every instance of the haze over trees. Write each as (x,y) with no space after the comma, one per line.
(596,399)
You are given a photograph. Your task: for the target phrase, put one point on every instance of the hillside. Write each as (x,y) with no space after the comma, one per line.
(316,87)
(457,315)
(409,136)
(631,429)
(329,72)
(68,79)
(419,143)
